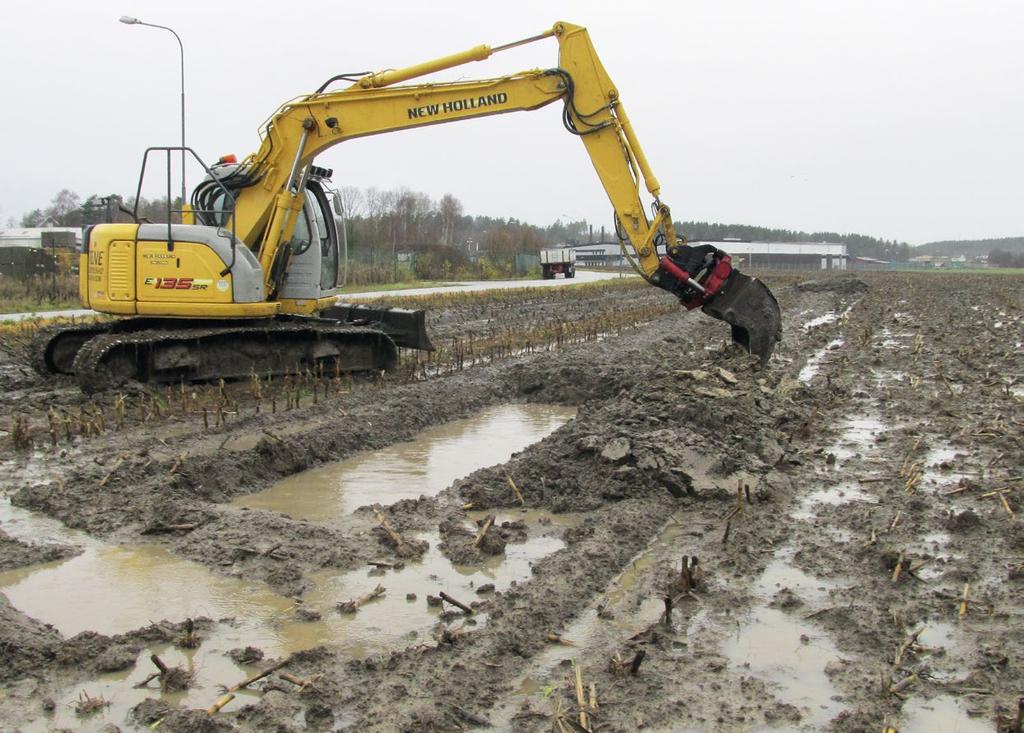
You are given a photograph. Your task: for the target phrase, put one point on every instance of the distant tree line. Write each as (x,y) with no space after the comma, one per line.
(860,245)
(408,220)
(385,222)
(68,209)
(437,238)
(1004,258)
(972,247)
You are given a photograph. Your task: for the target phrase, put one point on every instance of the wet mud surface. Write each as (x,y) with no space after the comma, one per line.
(837,536)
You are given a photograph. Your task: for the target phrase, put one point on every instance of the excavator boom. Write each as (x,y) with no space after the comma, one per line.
(594,112)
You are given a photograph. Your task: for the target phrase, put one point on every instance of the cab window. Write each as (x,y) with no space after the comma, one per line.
(301,238)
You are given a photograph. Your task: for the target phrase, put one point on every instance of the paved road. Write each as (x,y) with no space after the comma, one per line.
(582,276)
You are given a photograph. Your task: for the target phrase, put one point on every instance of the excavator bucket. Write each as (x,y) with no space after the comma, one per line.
(407,328)
(746,304)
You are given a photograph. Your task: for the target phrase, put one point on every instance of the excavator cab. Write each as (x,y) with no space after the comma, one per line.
(316,268)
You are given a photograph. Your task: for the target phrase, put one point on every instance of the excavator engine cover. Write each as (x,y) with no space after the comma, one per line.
(746,304)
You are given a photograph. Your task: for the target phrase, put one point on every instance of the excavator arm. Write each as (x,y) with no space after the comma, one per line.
(270,184)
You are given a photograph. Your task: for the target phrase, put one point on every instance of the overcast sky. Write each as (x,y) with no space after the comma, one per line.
(896,118)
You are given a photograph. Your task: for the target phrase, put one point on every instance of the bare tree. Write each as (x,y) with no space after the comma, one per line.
(65,208)
(352,200)
(450,210)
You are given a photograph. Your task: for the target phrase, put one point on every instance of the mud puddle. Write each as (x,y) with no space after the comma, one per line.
(824,318)
(941,651)
(21,524)
(538,521)
(783,649)
(401,613)
(893,339)
(842,493)
(942,714)
(116,589)
(934,546)
(209,666)
(858,436)
(424,466)
(30,468)
(813,365)
(791,655)
(941,467)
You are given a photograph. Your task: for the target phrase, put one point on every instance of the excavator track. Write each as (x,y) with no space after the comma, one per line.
(166,355)
(53,349)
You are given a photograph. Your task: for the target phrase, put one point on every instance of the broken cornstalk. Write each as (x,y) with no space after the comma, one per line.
(256,677)
(221,702)
(581,702)
(483,530)
(458,604)
(515,490)
(400,545)
(117,464)
(354,605)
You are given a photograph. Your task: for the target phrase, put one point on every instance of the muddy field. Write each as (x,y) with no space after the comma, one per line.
(634,526)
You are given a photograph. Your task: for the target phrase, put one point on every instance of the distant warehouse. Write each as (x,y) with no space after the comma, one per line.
(752,255)
(29,251)
(785,255)
(41,237)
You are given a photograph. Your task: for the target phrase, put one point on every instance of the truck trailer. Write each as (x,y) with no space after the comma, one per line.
(557,263)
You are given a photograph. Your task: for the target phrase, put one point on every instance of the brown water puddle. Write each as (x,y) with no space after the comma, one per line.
(943,714)
(210,666)
(425,466)
(116,589)
(858,436)
(791,655)
(113,589)
(786,651)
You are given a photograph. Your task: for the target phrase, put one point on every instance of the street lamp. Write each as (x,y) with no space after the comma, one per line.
(129,20)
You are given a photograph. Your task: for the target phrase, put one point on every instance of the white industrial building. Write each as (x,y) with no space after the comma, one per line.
(33,236)
(752,255)
(785,255)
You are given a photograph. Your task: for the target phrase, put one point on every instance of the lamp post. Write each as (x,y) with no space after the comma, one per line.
(129,20)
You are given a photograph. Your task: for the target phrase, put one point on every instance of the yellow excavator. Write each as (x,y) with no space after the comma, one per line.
(247,283)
